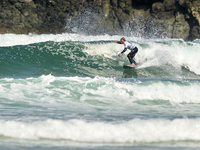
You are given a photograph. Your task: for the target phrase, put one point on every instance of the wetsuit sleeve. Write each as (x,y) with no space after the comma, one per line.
(119,42)
(124,50)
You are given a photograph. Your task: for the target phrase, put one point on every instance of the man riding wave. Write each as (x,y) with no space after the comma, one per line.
(131,47)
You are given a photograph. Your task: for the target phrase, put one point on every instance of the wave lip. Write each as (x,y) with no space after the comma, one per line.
(15,39)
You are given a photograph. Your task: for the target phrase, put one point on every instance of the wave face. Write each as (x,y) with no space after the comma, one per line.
(69,91)
(158,58)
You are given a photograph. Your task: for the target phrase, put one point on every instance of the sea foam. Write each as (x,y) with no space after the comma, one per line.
(52,90)
(136,130)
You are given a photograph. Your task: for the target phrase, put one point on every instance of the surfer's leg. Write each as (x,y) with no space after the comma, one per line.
(130,58)
(135,50)
(134,62)
(131,55)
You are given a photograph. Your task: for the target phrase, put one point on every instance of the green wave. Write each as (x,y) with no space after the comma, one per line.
(80,59)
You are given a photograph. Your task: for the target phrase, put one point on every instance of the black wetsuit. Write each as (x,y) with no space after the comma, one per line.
(133,49)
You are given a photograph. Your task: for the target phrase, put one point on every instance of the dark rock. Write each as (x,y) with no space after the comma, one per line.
(195,32)
(149,18)
(158,7)
(146,1)
(181,27)
(169,5)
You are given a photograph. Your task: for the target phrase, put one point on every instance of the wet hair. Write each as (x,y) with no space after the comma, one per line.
(123,39)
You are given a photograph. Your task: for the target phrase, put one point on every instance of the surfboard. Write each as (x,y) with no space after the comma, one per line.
(128,67)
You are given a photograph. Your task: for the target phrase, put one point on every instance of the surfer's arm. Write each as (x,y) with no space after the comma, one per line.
(118,42)
(124,50)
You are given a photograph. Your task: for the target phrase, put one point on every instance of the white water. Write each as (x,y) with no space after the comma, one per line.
(13,39)
(136,130)
(21,39)
(53,90)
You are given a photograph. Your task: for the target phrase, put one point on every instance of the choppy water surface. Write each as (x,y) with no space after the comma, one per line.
(70,91)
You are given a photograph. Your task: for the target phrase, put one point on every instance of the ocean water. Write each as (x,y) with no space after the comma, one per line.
(70,91)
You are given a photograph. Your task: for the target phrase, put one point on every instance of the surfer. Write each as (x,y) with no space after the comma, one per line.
(130,46)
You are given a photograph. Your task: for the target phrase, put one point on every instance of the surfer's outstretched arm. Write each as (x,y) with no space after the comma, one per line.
(118,42)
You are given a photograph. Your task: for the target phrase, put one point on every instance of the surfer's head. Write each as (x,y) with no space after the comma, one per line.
(122,40)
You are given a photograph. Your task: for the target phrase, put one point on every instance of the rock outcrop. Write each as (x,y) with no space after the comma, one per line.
(146,18)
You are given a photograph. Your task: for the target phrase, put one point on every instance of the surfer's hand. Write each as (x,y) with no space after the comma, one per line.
(119,54)
(115,41)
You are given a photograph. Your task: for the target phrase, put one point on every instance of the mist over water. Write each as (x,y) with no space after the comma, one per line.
(92,21)
(69,90)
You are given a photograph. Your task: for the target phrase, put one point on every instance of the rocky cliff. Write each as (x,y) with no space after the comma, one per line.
(146,18)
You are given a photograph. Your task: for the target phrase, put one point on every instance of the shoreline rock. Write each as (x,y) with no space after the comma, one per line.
(145,18)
